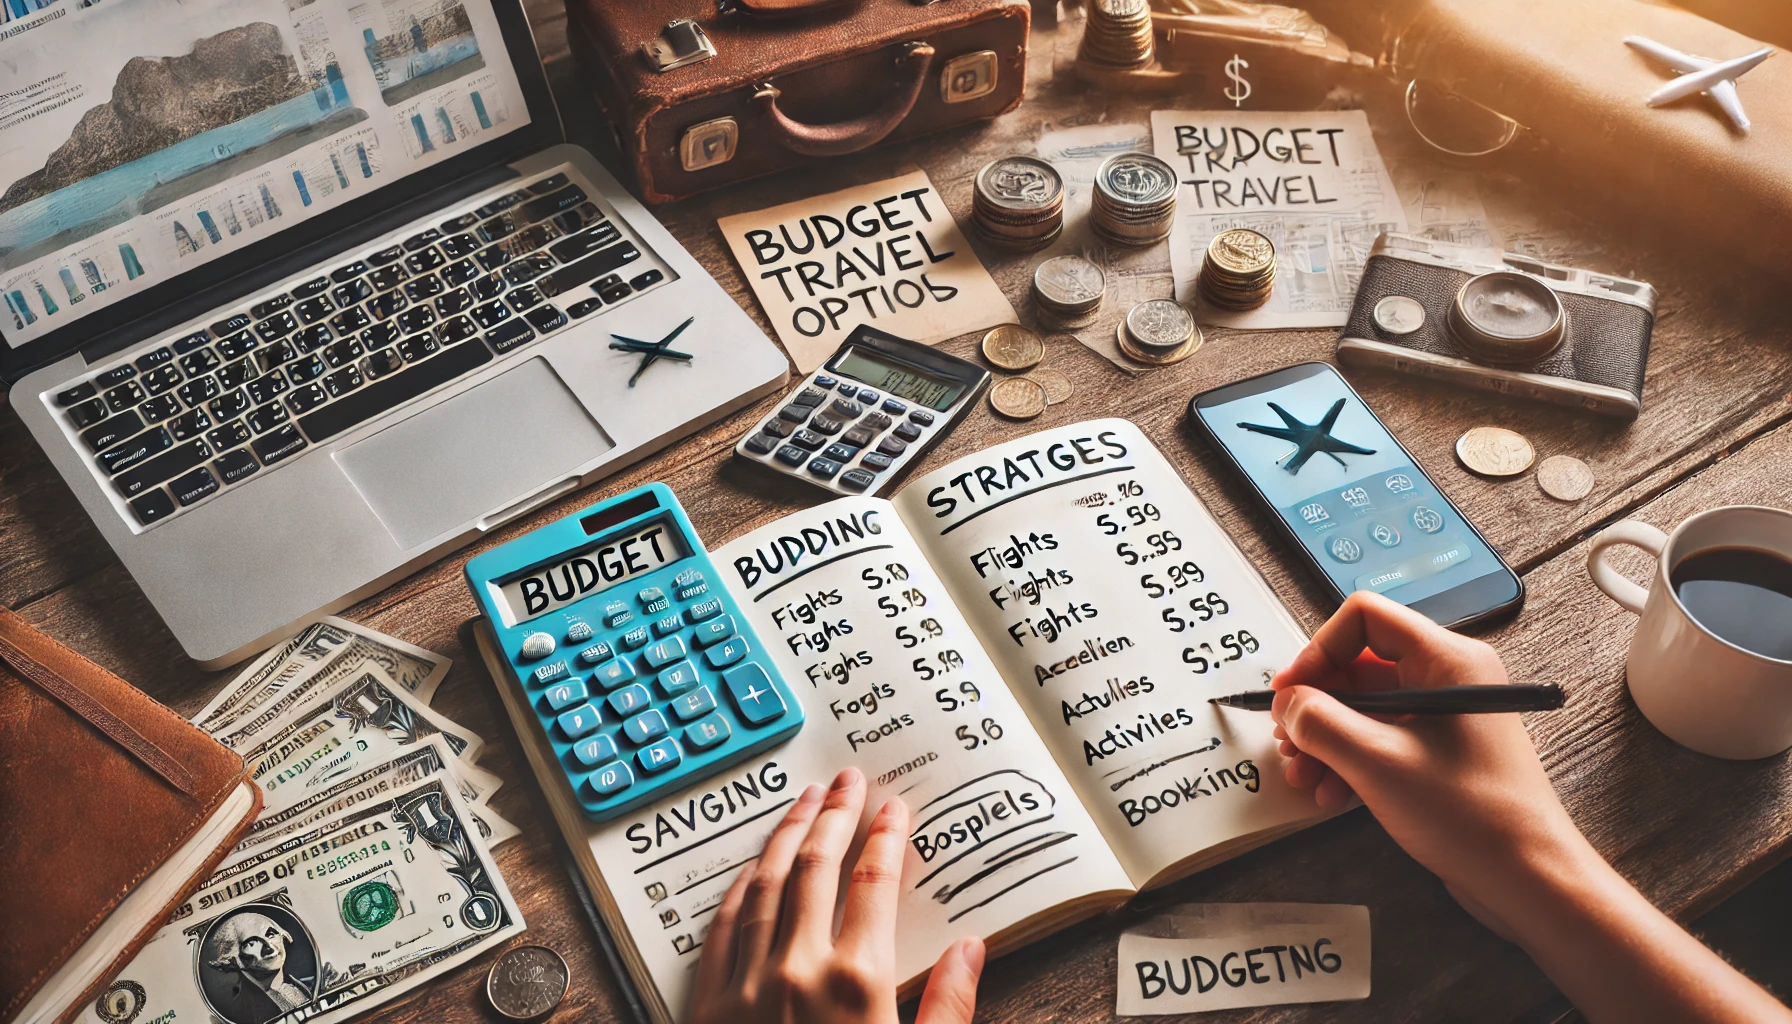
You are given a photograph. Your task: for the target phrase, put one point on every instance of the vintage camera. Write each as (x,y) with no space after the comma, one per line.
(1504,323)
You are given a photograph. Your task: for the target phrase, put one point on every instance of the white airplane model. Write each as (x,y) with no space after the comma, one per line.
(1716,79)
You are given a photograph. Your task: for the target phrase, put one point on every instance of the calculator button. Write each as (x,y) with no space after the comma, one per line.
(876,462)
(668,625)
(808,440)
(753,694)
(856,479)
(578,633)
(921,416)
(666,651)
(906,432)
(708,633)
(611,778)
(791,455)
(892,446)
(876,421)
(653,600)
(849,410)
(694,704)
(629,699)
(840,452)
(634,638)
(824,468)
(548,673)
(537,645)
(707,733)
(894,408)
(594,751)
(678,677)
(694,590)
(826,424)
(561,696)
(761,444)
(868,396)
(597,652)
(617,614)
(809,397)
(645,727)
(775,428)
(661,756)
(687,577)
(727,652)
(793,413)
(579,722)
(824,382)
(614,673)
(849,390)
(858,437)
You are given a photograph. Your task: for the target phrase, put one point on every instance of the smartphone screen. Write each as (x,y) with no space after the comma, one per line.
(1348,492)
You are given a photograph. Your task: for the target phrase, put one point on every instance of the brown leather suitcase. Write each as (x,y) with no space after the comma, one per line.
(703,95)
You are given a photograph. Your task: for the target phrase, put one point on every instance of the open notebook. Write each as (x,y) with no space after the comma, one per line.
(1021,645)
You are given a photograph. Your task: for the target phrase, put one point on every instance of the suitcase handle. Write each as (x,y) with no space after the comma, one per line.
(842,137)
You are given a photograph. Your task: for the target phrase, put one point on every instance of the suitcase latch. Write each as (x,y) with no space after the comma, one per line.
(682,42)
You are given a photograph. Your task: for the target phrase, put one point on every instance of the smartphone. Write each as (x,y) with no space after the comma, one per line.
(1351,498)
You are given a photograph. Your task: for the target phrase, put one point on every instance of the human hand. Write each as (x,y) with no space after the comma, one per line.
(772,956)
(1463,794)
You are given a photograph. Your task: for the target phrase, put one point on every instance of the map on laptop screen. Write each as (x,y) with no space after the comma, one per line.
(140,139)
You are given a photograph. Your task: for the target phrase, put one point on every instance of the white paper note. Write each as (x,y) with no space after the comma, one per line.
(1312,182)
(1220,956)
(887,254)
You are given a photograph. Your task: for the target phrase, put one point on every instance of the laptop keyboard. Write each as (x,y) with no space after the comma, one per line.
(194,413)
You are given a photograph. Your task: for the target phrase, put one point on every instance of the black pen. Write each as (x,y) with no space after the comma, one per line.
(1442,700)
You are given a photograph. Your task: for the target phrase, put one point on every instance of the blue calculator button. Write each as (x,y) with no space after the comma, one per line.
(727,652)
(548,673)
(578,632)
(922,417)
(579,721)
(706,610)
(662,755)
(840,452)
(687,577)
(561,696)
(824,382)
(611,778)
(791,455)
(536,645)
(876,461)
(808,440)
(753,694)
(597,652)
(665,652)
(857,479)
(614,674)
(594,751)
(695,704)
(616,614)
(634,638)
(824,468)
(707,733)
(713,632)
(629,699)
(868,396)
(668,625)
(653,600)
(694,590)
(893,407)
(678,677)
(849,390)
(645,727)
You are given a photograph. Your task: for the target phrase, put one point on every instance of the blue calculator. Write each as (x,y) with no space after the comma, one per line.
(628,645)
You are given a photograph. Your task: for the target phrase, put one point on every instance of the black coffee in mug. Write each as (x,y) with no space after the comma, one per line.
(1743,595)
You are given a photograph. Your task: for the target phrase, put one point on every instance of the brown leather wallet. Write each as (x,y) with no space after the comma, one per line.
(99,785)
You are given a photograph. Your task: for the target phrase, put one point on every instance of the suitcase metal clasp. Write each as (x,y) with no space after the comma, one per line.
(681,43)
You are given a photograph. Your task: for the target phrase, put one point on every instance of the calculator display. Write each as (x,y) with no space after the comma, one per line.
(898,381)
(613,560)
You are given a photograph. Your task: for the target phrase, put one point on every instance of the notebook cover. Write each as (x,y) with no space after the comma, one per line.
(99,784)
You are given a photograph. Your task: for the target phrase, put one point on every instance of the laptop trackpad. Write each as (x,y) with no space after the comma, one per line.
(473,454)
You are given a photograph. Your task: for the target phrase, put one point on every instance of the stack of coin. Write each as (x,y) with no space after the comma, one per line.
(1239,271)
(1159,331)
(1134,200)
(1117,34)
(1069,290)
(1018,203)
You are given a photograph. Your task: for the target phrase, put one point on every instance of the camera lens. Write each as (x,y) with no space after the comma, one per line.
(1507,317)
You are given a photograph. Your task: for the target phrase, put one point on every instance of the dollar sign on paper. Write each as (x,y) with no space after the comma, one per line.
(1240,90)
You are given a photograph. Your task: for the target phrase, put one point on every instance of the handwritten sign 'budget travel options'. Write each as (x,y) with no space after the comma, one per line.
(887,254)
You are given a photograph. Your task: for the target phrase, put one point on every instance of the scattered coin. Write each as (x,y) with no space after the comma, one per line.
(1018,398)
(1057,386)
(1117,34)
(1239,270)
(1068,287)
(1565,478)
(1495,451)
(1018,203)
(1134,201)
(1399,314)
(527,982)
(1013,347)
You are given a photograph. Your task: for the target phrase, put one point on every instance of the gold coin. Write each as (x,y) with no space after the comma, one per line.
(1242,251)
(1013,347)
(1565,478)
(1018,398)
(1057,386)
(1157,357)
(1495,451)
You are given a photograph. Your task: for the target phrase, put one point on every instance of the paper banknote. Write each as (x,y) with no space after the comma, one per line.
(326,923)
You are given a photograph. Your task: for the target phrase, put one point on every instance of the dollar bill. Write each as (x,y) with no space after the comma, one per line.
(329,923)
(357,725)
(326,652)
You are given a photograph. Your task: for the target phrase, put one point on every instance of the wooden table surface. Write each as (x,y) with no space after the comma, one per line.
(1686,829)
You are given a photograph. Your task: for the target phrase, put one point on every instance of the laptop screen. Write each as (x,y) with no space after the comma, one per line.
(143,139)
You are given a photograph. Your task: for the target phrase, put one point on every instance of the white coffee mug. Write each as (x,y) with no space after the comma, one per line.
(1702,691)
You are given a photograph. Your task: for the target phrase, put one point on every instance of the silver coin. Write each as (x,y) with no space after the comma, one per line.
(527,982)
(1069,281)
(1136,179)
(1565,478)
(1495,451)
(1020,182)
(1159,323)
(1399,314)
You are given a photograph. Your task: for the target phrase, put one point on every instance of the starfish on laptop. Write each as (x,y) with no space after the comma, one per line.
(1311,438)
(1716,79)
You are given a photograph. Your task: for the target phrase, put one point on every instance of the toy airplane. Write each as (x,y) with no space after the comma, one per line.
(1716,79)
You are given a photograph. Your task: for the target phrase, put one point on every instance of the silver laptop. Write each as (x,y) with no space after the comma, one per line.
(301,294)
